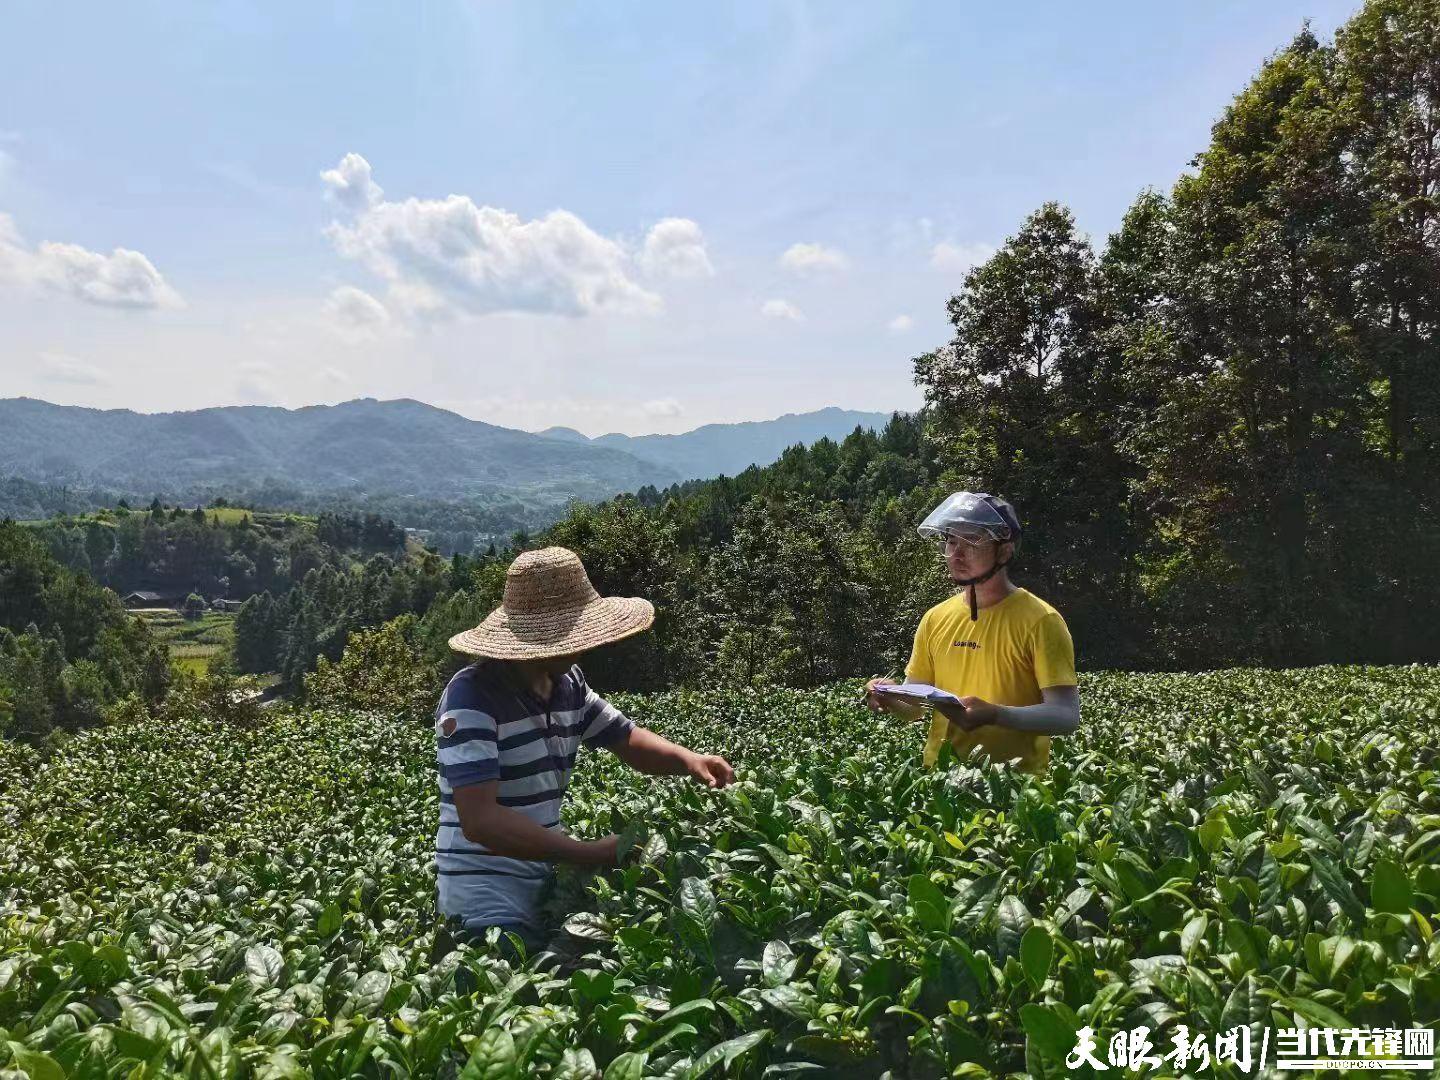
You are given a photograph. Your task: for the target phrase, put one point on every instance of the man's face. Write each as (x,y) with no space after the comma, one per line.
(556,666)
(971,553)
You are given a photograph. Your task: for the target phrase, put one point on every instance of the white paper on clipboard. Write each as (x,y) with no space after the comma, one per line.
(920,693)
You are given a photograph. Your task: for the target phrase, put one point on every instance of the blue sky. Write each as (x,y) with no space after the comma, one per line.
(626,217)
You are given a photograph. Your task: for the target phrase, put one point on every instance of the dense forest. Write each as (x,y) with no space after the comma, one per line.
(289,632)
(68,649)
(216,552)
(1221,429)
(460,525)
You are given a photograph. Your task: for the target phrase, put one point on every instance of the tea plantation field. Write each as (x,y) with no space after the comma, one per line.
(1236,848)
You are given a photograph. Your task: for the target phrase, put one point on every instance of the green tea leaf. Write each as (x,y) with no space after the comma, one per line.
(1340,891)
(1048,1030)
(929,902)
(1036,950)
(264,964)
(493,1057)
(777,964)
(1390,888)
(627,1066)
(697,901)
(1013,921)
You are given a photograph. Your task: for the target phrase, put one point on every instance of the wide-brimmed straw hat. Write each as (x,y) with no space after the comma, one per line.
(551,609)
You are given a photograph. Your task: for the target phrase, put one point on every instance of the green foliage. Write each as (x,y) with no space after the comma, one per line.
(802,572)
(379,671)
(199,893)
(1224,433)
(316,619)
(68,649)
(220,552)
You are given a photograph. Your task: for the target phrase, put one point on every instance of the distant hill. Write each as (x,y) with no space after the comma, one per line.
(728,449)
(361,447)
(566,434)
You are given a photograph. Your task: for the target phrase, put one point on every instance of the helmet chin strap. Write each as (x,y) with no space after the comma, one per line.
(971,582)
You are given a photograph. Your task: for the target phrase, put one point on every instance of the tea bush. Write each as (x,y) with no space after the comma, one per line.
(182,894)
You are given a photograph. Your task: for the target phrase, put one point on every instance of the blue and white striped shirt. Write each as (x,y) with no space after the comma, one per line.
(488,729)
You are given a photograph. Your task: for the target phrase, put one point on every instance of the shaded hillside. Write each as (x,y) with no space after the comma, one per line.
(362,446)
(729,449)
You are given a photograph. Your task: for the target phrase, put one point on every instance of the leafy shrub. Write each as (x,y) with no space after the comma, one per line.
(381,671)
(183,895)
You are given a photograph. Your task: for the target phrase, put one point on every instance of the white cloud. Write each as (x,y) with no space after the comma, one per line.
(355,314)
(124,278)
(62,368)
(900,324)
(664,407)
(334,375)
(781,309)
(958,258)
(350,185)
(675,247)
(415,300)
(812,258)
(478,260)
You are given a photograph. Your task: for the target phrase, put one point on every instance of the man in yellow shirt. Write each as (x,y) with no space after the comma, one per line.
(1004,652)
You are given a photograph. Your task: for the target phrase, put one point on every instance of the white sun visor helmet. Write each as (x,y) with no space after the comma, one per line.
(974,509)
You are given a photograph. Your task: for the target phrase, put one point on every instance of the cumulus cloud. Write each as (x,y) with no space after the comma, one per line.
(900,324)
(62,368)
(781,309)
(123,279)
(355,313)
(675,247)
(452,254)
(958,258)
(812,258)
(663,408)
(350,183)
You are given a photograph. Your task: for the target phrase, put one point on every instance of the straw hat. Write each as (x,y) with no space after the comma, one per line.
(551,609)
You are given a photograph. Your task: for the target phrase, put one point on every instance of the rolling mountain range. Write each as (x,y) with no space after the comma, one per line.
(727,449)
(369,447)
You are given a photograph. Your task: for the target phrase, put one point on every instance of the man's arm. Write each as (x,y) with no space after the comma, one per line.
(1057,714)
(511,834)
(646,752)
(920,668)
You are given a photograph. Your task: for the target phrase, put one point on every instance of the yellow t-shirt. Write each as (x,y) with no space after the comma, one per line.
(1015,649)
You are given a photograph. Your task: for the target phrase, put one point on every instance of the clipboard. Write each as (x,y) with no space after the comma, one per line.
(920,694)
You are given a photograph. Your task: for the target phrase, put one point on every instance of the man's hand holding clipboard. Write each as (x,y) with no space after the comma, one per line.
(954,709)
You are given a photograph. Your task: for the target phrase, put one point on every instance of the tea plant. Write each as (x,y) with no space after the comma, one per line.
(1241,847)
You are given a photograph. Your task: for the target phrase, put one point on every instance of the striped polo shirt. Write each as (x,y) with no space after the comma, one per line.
(486,728)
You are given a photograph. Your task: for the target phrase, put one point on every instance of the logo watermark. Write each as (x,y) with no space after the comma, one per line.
(1295,1048)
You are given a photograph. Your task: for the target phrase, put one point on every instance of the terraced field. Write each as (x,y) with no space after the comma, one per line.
(193,643)
(1237,849)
